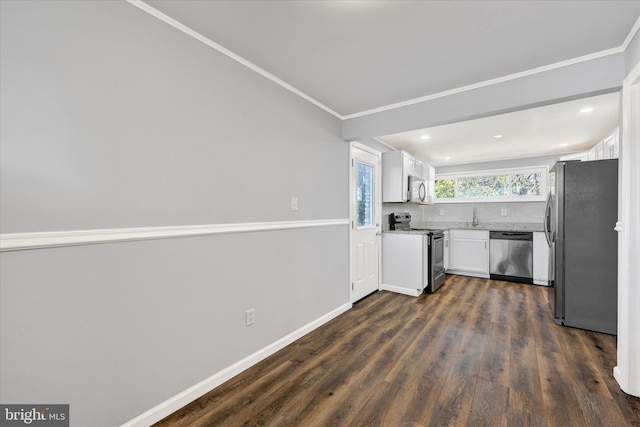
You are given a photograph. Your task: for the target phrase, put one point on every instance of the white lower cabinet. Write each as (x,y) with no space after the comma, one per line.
(540,259)
(466,252)
(403,263)
(469,252)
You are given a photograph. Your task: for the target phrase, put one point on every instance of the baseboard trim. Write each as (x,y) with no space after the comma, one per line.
(400,290)
(178,401)
(467,273)
(49,239)
(617,375)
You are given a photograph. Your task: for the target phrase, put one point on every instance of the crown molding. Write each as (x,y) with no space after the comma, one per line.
(631,35)
(201,38)
(190,32)
(486,83)
(379,141)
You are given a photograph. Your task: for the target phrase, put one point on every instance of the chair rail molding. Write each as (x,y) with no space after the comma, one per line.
(49,239)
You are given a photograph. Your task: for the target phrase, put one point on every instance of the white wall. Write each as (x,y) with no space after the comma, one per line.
(112,119)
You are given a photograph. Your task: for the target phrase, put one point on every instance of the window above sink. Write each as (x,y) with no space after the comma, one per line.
(499,185)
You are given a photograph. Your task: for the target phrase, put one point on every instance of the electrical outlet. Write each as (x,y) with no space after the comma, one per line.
(294,204)
(503,212)
(250,317)
(441,212)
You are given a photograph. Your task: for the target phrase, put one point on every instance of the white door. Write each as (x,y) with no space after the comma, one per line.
(365,206)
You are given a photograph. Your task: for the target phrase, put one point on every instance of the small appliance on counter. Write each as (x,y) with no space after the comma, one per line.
(400,221)
(412,259)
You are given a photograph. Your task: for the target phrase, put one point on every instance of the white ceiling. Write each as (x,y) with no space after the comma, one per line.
(554,129)
(355,56)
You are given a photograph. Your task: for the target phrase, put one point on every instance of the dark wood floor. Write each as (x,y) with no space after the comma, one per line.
(476,353)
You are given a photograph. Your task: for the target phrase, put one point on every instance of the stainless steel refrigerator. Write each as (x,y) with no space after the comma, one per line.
(580,216)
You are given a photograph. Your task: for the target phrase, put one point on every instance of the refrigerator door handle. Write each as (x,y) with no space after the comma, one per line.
(547,220)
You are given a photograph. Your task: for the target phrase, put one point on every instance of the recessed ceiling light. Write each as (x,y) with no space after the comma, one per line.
(424,137)
(498,136)
(586,110)
(564,144)
(447,158)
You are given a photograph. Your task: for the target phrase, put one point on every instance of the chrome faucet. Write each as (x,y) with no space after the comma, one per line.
(475,218)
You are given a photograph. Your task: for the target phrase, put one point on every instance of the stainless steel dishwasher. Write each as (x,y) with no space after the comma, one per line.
(511,256)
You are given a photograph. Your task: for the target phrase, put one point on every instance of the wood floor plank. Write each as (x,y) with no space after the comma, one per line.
(517,418)
(588,376)
(556,379)
(525,391)
(604,348)
(489,406)
(377,412)
(353,391)
(599,410)
(495,361)
(424,345)
(454,403)
(226,405)
(424,368)
(477,352)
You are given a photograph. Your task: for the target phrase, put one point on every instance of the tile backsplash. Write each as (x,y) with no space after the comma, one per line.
(528,212)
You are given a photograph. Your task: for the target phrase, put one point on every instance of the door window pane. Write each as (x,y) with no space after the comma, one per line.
(365,195)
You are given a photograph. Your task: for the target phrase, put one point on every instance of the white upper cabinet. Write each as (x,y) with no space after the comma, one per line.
(398,169)
(430,182)
(415,168)
(605,149)
(395,176)
(611,144)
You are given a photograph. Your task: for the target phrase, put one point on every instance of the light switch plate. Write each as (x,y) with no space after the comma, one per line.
(294,204)
(250,317)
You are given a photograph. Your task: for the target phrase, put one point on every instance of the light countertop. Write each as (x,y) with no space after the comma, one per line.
(493,226)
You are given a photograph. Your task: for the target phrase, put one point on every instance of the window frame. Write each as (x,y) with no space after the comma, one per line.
(544,189)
